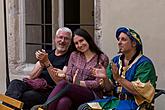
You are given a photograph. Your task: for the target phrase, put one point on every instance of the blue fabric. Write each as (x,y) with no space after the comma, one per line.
(130,74)
(127,105)
(114,103)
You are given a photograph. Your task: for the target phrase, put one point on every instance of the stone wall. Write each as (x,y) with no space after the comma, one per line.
(15,36)
(97,20)
(2,50)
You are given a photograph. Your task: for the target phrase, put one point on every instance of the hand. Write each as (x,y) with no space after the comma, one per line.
(58,72)
(99,72)
(75,78)
(115,71)
(101,83)
(42,56)
(27,77)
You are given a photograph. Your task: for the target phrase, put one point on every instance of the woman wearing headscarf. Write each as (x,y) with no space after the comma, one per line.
(130,76)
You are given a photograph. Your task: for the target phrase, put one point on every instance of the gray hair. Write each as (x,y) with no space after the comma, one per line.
(64,29)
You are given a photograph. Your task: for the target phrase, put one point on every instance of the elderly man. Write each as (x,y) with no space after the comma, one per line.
(58,58)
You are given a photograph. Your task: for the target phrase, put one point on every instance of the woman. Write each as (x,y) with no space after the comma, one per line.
(83,86)
(131,75)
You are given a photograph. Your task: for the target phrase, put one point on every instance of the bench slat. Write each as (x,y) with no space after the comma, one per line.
(11,101)
(3,107)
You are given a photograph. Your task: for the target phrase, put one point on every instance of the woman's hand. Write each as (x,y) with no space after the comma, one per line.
(99,72)
(75,78)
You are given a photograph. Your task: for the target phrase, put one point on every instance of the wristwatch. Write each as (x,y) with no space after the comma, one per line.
(48,65)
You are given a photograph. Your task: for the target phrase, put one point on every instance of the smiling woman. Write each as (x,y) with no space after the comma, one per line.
(81,44)
(79,74)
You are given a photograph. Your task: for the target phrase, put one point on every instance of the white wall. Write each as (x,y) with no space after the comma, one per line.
(148,19)
(2,50)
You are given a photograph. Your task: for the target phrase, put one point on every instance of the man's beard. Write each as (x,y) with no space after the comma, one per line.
(62,49)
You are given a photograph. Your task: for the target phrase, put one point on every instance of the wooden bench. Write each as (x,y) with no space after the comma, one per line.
(9,101)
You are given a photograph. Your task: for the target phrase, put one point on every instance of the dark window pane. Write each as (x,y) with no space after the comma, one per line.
(33,11)
(30,53)
(72,13)
(33,34)
(48,33)
(38,27)
(48,12)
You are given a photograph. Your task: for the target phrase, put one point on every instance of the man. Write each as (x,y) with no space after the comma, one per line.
(131,75)
(58,58)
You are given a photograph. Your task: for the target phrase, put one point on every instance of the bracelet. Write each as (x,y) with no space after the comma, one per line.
(48,65)
(77,82)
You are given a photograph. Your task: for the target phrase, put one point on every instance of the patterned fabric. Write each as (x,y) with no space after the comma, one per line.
(142,69)
(78,61)
(39,84)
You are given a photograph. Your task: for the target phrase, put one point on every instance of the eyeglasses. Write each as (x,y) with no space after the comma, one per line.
(66,38)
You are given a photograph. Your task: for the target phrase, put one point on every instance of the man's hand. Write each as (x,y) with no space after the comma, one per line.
(115,71)
(42,56)
(27,77)
(58,73)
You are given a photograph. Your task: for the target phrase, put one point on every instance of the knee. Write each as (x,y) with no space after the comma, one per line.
(16,88)
(62,83)
(16,85)
(31,98)
(15,81)
(60,86)
(65,101)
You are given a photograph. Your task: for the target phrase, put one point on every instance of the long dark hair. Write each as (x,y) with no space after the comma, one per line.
(92,46)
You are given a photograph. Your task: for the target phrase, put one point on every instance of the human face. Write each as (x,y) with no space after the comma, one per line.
(80,43)
(125,44)
(62,41)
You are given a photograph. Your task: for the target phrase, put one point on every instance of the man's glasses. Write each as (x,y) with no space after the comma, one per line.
(66,38)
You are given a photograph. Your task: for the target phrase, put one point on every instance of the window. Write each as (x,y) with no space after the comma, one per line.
(78,14)
(38,22)
(38,25)
(32,25)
